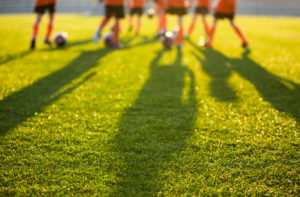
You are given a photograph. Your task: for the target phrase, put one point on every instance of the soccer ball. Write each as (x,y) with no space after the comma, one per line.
(108,39)
(167,39)
(60,39)
(151,13)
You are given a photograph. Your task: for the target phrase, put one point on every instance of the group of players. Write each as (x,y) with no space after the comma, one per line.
(223,9)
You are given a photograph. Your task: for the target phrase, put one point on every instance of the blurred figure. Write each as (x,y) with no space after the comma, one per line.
(202,8)
(178,8)
(113,8)
(41,6)
(136,7)
(160,7)
(225,9)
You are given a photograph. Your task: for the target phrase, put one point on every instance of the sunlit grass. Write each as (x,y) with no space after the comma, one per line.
(144,121)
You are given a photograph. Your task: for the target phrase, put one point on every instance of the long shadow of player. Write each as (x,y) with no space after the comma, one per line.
(216,66)
(23,104)
(282,94)
(155,128)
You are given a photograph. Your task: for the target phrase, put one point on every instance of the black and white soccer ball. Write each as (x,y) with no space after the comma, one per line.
(167,39)
(150,13)
(61,39)
(108,39)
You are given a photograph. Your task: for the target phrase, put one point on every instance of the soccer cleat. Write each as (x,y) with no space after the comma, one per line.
(117,46)
(47,42)
(245,44)
(96,36)
(179,46)
(32,45)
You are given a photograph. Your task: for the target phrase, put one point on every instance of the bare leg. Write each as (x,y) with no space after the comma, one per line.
(49,29)
(239,33)
(192,25)
(98,30)
(212,32)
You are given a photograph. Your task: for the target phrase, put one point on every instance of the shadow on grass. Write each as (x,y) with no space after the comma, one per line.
(13,57)
(274,89)
(68,45)
(23,104)
(282,94)
(155,129)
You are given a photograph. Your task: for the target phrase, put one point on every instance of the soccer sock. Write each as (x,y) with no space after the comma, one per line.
(211,33)
(116,32)
(130,21)
(35,30)
(162,22)
(206,27)
(239,33)
(191,28)
(49,30)
(139,23)
(179,38)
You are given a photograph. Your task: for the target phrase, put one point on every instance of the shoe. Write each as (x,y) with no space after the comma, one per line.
(179,46)
(47,42)
(32,45)
(245,44)
(117,46)
(96,37)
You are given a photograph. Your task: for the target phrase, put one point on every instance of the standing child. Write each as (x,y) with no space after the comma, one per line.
(177,7)
(202,8)
(226,9)
(136,7)
(113,8)
(41,6)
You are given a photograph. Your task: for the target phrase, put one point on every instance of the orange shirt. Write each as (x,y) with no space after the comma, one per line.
(226,6)
(115,2)
(44,2)
(203,3)
(137,3)
(176,3)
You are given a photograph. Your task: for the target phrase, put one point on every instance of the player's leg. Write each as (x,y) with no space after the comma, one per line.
(239,33)
(162,23)
(205,24)
(49,29)
(179,39)
(139,23)
(212,32)
(35,29)
(116,31)
(97,33)
(192,25)
(130,21)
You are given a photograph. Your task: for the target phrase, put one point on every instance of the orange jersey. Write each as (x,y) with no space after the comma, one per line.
(203,3)
(115,2)
(176,3)
(44,2)
(226,6)
(137,3)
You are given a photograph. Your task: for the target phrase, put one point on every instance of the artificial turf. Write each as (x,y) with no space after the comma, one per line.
(144,121)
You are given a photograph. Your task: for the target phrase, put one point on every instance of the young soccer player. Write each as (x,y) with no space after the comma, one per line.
(160,7)
(202,8)
(136,7)
(41,6)
(177,7)
(113,8)
(226,9)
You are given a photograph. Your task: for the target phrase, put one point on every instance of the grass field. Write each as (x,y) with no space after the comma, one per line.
(144,121)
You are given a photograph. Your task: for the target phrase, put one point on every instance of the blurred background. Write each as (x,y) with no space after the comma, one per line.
(92,7)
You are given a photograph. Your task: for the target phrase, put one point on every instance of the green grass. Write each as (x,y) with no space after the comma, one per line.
(143,121)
